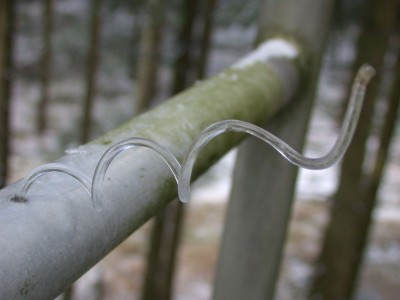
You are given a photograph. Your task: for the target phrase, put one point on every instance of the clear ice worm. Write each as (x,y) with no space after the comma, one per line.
(116,149)
(349,125)
(21,195)
(183,173)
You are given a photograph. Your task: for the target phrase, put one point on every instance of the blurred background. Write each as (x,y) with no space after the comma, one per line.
(72,70)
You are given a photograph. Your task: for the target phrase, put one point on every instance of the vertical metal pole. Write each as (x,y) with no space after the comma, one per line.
(263,184)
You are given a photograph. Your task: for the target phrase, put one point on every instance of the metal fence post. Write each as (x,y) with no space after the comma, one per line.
(263,184)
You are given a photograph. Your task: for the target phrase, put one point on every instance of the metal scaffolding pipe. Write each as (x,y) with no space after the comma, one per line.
(54,238)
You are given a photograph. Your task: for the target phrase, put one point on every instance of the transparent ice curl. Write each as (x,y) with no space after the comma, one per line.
(21,195)
(116,149)
(182,174)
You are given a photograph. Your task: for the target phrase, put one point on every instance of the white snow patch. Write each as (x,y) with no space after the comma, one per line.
(275,48)
(387,212)
(389,254)
(79,150)
(217,189)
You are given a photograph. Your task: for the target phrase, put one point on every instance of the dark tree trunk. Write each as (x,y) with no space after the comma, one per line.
(340,256)
(133,55)
(149,57)
(385,136)
(45,64)
(91,68)
(166,232)
(207,18)
(7,14)
(185,44)
(165,238)
(90,81)
(168,224)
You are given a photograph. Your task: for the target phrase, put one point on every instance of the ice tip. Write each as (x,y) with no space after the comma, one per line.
(97,206)
(18,199)
(183,195)
(365,73)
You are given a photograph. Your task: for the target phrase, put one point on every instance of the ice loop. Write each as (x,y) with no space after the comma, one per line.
(182,173)
(21,195)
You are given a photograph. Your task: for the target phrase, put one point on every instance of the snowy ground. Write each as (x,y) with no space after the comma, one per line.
(120,275)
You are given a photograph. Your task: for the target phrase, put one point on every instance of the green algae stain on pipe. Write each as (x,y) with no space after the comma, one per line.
(249,91)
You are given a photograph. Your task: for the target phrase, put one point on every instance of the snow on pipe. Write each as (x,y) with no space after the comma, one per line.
(182,174)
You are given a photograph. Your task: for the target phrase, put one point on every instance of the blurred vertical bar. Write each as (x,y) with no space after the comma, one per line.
(207,15)
(7,13)
(150,54)
(263,184)
(45,64)
(91,68)
(346,233)
(167,229)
